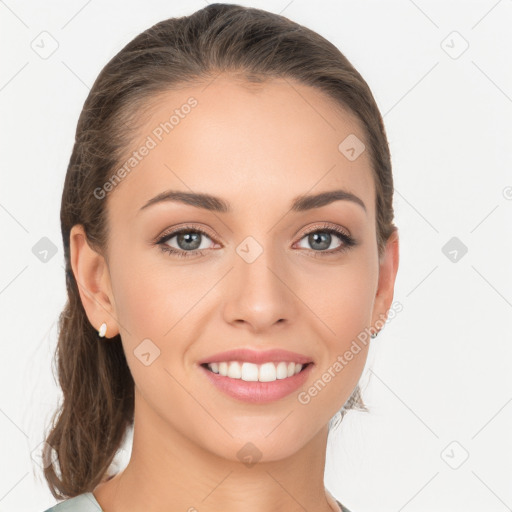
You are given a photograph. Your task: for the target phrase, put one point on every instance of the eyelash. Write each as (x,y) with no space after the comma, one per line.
(347,240)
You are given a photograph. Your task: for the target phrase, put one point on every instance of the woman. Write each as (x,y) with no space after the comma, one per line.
(228,230)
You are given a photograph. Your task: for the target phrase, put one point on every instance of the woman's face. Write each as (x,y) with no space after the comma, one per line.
(250,271)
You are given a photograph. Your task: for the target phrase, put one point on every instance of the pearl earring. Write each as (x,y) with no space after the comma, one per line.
(103,330)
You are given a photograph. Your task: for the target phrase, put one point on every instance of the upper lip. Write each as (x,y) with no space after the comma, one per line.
(257,356)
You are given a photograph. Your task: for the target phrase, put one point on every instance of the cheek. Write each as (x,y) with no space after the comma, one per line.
(342,297)
(344,317)
(150,303)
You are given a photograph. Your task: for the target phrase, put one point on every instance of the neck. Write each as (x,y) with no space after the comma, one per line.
(169,471)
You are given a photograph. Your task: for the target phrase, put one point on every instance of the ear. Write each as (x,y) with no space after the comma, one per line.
(388,267)
(93,278)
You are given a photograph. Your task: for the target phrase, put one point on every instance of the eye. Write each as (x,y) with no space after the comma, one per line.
(188,239)
(321,238)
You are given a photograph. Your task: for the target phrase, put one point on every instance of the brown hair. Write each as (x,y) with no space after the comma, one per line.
(98,388)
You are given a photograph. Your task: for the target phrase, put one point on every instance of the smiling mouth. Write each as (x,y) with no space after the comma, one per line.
(259,384)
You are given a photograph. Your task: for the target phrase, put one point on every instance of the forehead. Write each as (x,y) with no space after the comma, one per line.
(253,144)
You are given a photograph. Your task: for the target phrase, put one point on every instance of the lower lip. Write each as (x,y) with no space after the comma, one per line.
(258,392)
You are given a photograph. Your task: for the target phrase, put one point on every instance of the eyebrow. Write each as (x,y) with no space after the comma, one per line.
(216,204)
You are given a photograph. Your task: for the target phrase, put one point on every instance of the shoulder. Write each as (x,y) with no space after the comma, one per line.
(81,503)
(343,508)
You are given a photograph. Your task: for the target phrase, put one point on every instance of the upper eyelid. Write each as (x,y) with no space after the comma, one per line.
(173,232)
(327,226)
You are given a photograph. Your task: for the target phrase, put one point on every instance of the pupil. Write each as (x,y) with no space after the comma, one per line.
(313,238)
(186,238)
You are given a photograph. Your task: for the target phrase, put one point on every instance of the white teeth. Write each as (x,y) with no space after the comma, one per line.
(223,369)
(267,372)
(250,372)
(234,370)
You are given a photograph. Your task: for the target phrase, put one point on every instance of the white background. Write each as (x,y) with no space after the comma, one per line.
(440,371)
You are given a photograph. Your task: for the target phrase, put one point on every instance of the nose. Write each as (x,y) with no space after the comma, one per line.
(259,290)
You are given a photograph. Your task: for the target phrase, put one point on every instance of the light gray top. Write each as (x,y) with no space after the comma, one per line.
(82,503)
